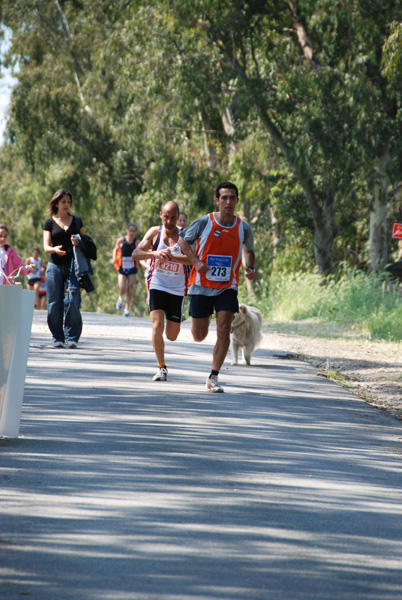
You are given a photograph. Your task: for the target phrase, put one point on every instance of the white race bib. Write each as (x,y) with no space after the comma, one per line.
(220,268)
(127,263)
(170,268)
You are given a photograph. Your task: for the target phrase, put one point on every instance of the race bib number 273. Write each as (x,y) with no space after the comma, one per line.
(220,267)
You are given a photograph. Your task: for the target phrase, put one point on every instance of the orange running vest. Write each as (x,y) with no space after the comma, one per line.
(221,248)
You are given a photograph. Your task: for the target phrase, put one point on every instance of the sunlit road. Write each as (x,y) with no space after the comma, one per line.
(285,487)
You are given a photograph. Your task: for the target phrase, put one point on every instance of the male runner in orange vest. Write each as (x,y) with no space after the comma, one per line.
(219,238)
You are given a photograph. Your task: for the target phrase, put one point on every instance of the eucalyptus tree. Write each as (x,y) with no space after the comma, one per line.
(75,119)
(392,71)
(132,103)
(63,109)
(99,108)
(311,73)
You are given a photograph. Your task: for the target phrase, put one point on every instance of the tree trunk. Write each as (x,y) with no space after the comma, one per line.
(322,246)
(274,232)
(77,69)
(324,228)
(209,148)
(378,233)
(228,124)
(322,214)
(378,243)
(249,283)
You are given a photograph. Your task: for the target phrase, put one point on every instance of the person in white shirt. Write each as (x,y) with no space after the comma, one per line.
(167,281)
(33,279)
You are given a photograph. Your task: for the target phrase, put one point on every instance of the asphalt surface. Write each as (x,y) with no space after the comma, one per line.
(285,487)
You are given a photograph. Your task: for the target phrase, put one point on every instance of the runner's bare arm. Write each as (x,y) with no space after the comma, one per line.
(182,259)
(250,258)
(144,249)
(200,266)
(117,246)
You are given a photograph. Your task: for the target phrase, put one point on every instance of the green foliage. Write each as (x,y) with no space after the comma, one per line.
(367,303)
(128,105)
(392,62)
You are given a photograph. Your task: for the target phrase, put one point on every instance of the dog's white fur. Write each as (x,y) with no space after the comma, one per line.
(245,332)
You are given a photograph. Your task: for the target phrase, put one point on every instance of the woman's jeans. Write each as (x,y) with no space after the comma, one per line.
(62,304)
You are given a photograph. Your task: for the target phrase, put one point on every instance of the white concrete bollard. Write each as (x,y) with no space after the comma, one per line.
(16,312)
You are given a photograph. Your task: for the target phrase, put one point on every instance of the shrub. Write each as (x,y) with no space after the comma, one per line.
(363,301)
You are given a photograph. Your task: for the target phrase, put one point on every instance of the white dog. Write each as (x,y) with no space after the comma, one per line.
(245,332)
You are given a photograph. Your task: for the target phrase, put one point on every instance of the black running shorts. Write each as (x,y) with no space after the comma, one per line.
(171,305)
(203,306)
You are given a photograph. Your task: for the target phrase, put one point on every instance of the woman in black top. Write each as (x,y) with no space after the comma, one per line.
(63,310)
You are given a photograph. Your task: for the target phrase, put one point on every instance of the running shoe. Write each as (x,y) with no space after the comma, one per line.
(58,345)
(212,385)
(161,374)
(119,304)
(72,345)
(126,313)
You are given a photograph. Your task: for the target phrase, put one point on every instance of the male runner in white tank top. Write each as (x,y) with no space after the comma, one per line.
(167,281)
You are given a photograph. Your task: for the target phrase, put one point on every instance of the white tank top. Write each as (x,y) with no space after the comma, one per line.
(169,277)
(38,265)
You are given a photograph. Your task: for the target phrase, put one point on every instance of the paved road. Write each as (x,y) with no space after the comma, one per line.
(286,487)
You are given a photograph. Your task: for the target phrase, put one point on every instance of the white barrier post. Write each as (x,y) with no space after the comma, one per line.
(16,312)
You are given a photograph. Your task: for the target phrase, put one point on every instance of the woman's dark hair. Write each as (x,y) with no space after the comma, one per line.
(57,196)
(4,227)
